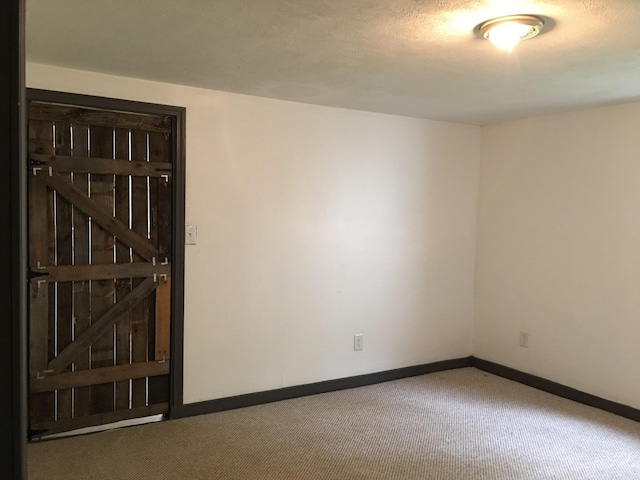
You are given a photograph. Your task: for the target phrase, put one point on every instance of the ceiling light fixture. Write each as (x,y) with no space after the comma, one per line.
(506,32)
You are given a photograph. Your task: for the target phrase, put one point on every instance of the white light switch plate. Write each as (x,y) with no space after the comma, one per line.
(190,234)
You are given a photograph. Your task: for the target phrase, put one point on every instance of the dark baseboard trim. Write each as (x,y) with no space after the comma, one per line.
(557,389)
(250,399)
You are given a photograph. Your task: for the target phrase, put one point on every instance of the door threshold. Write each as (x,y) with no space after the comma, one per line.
(103,428)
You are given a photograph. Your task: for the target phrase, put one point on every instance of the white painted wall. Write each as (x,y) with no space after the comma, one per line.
(559,249)
(314,224)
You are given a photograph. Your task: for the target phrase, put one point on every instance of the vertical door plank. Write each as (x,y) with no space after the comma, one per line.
(38,257)
(81,295)
(123,285)
(140,314)
(38,324)
(160,151)
(53,287)
(42,405)
(163,320)
(160,194)
(64,256)
(102,252)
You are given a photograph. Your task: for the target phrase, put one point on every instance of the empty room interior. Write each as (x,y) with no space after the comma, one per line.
(363,195)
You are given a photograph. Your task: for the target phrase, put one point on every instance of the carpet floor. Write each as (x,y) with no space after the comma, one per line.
(459,424)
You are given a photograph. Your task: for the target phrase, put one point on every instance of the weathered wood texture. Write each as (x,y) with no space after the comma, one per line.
(62,163)
(102,252)
(81,285)
(99,375)
(65,273)
(100,238)
(100,207)
(41,405)
(140,225)
(64,256)
(163,320)
(102,326)
(99,118)
(123,255)
(159,331)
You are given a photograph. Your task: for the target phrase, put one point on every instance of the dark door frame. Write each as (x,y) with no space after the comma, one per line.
(13,373)
(13,258)
(178,122)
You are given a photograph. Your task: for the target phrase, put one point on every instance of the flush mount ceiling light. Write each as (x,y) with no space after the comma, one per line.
(506,32)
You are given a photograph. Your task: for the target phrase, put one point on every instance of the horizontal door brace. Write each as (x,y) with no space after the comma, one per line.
(97,376)
(105,166)
(80,273)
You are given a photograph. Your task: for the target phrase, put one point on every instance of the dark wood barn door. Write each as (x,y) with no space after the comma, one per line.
(100,243)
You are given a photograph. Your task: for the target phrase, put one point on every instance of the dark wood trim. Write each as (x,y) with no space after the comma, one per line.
(13,285)
(50,428)
(177,117)
(83,378)
(557,389)
(179,120)
(240,401)
(250,399)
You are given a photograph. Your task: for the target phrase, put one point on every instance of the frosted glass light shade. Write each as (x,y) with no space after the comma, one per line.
(506,32)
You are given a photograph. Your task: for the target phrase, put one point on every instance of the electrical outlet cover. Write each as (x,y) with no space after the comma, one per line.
(358,342)
(524,339)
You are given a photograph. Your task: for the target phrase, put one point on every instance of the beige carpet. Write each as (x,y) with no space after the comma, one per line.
(461,424)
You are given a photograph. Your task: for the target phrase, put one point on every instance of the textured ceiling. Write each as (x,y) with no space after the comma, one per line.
(405,57)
